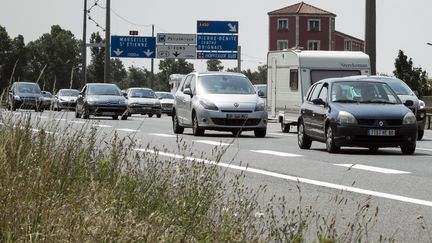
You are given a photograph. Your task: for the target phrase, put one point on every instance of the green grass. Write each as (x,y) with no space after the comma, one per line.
(76,187)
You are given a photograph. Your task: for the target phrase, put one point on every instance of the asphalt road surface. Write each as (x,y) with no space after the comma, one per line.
(399,185)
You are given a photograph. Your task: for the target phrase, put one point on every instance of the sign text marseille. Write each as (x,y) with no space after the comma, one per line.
(133,46)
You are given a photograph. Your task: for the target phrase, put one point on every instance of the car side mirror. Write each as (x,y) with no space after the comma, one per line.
(187,91)
(261,93)
(409,103)
(318,101)
(125,95)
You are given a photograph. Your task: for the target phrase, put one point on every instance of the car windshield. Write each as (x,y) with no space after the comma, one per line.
(47,94)
(142,93)
(103,90)
(363,92)
(399,87)
(165,96)
(28,88)
(225,84)
(70,92)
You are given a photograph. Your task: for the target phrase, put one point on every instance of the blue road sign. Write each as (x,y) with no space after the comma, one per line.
(217,42)
(205,26)
(217,55)
(133,46)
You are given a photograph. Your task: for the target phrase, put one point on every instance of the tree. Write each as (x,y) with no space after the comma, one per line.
(118,71)
(414,77)
(256,77)
(97,63)
(168,67)
(214,65)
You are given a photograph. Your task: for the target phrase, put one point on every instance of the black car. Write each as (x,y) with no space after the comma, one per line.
(356,112)
(101,99)
(24,95)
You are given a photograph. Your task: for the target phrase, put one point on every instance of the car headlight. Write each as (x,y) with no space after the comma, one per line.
(208,105)
(122,102)
(260,106)
(422,104)
(17,97)
(91,102)
(409,118)
(346,118)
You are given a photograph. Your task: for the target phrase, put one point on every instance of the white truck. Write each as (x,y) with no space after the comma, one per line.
(291,73)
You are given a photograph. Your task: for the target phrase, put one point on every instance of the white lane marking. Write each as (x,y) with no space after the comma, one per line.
(101,125)
(373,169)
(43,117)
(60,119)
(77,122)
(35,130)
(425,149)
(282,134)
(1,123)
(281,154)
(300,180)
(163,135)
(212,142)
(127,130)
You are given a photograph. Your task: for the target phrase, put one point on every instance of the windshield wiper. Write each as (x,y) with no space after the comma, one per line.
(345,101)
(378,102)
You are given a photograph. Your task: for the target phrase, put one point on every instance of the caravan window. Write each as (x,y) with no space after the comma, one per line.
(294,79)
(317,75)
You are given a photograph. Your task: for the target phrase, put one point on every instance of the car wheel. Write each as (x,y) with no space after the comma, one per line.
(303,140)
(260,133)
(409,149)
(13,107)
(150,115)
(331,146)
(158,115)
(176,126)
(85,114)
(115,117)
(236,132)
(420,135)
(8,107)
(285,127)
(196,130)
(124,117)
(77,114)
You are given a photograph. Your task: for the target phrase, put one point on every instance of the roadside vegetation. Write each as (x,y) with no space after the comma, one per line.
(77,187)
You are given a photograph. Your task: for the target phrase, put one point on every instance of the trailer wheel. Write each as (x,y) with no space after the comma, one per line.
(285,127)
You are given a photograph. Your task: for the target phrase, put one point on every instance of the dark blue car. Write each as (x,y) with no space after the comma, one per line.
(25,95)
(356,112)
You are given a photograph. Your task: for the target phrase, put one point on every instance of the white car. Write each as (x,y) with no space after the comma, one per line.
(166,100)
(218,101)
(143,101)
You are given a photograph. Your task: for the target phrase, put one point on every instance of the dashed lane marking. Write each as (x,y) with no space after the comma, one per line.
(299,179)
(162,135)
(425,149)
(77,122)
(275,153)
(373,169)
(282,134)
(215,143)
(127,130)
(101,125)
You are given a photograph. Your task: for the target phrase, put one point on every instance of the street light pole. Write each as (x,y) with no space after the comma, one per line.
(84,48)
(370,33)
(107,73)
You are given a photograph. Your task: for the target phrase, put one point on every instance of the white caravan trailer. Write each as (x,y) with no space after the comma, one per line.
(291,73)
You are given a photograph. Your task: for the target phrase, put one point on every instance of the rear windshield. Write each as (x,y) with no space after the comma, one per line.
(103,90)
(28,88)
(399,87)
(165,96)
(142,93)
(225,84)
(72,92)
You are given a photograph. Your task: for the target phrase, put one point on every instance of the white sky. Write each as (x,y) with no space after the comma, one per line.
(404,25)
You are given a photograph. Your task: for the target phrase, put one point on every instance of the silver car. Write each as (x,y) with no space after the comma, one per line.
(65,99)
(143,101)
(166,100)
(218,101)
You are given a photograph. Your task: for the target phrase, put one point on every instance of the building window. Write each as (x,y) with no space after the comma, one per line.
(282,44)
(348,45)
(314,25)
(314,45)
(282,24)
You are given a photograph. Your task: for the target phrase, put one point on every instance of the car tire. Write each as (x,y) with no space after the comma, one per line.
(77,114)
(420,135)
(85,114)
(115,117)
(150,115)
(303,140)
(260,133)
(285,127)
(124,117)
(331,146)
(158,115)
(8,107)
(236,132)
(408,150)
(176,126)
(196,130)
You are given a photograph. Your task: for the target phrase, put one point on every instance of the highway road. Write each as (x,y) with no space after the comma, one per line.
(399,185)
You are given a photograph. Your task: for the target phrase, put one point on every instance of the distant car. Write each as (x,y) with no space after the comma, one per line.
(405,93)
(356,111)
(262,88)
(166,100)
(101,99)
(218,101)
(24,95)
(143,101)
(47,99)
(65,99)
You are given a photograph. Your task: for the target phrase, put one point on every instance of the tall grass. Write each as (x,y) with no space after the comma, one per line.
(75,187)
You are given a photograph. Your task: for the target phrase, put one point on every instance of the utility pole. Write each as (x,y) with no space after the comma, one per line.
(370,33)
(107,70)
(84,47)
(152,65)
(239,59)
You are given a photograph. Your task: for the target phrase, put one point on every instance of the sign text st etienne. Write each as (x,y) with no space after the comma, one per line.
(133,46)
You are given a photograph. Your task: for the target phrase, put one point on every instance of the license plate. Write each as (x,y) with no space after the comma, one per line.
(237,116)
(106,113)
(381,132)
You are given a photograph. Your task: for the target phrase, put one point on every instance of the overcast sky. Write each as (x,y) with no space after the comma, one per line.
(404,25)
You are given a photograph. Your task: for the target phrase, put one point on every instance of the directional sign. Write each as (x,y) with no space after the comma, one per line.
(217,55)
(169,38)
(176,51)
(217,42)
(205,26)
(133,46)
